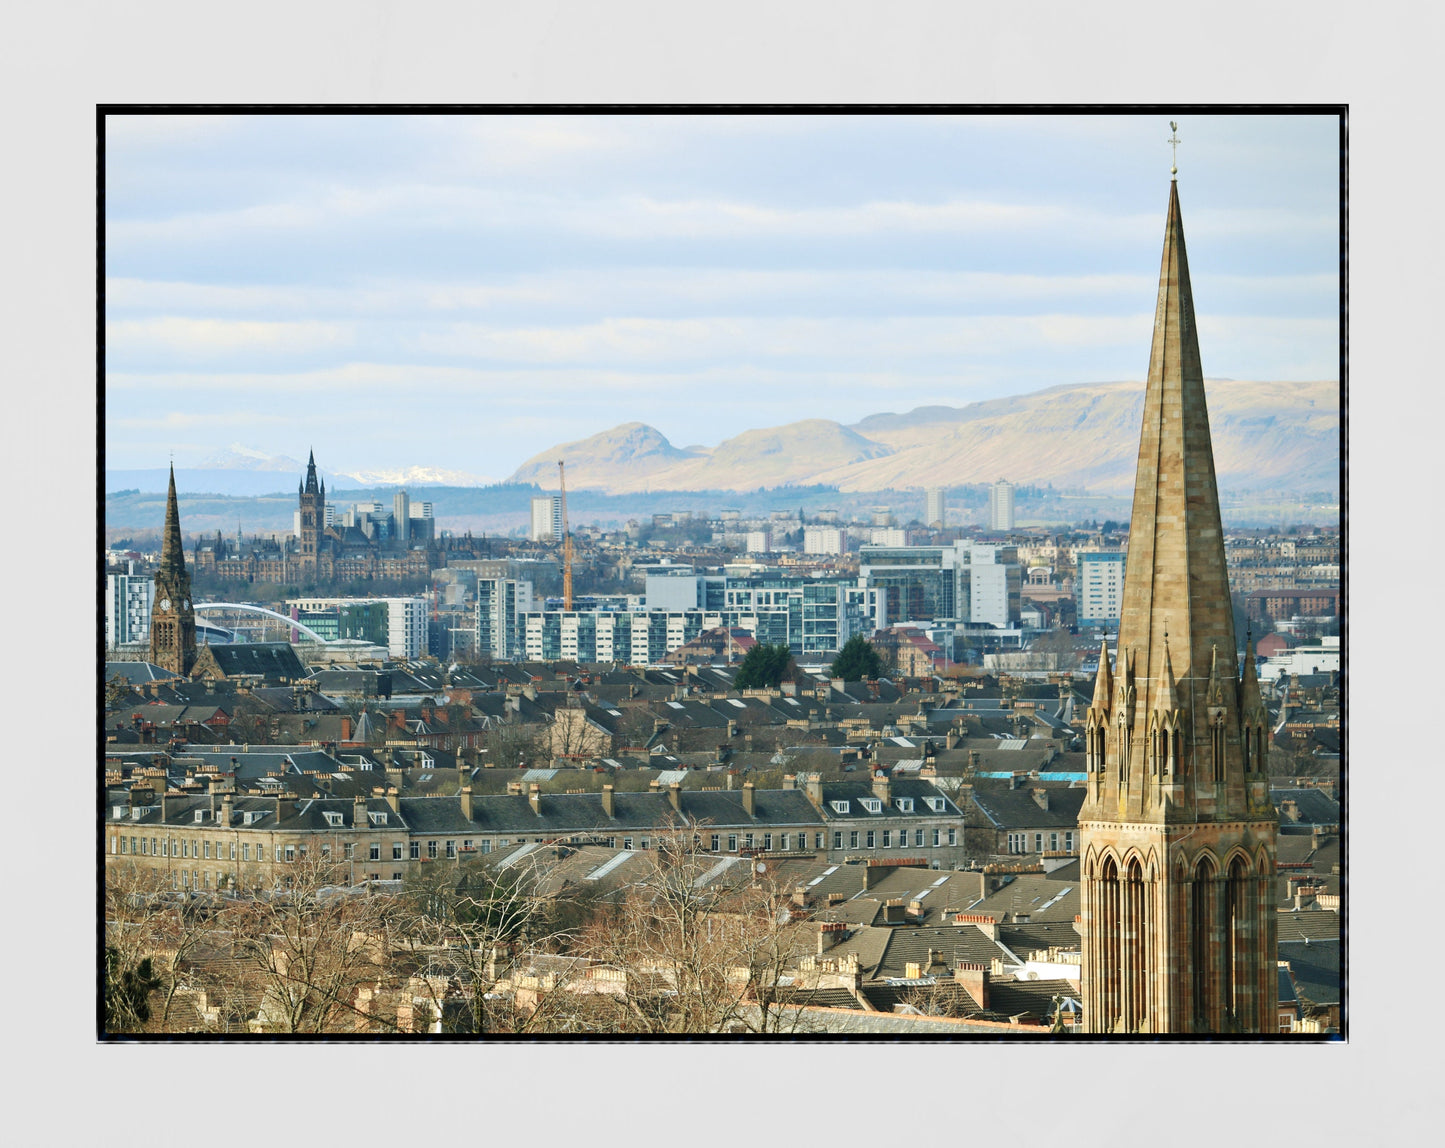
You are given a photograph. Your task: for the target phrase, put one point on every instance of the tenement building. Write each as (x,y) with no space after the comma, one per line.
(1178,835)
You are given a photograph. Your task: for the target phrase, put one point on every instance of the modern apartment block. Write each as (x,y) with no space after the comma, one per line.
(1001,505)
(933,509)
(961,581)
(405,620)
(128,599)
(823,540)
(500,604)
(1099,588)
(547,518)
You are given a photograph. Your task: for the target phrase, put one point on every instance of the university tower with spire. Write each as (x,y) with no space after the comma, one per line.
(1177,832)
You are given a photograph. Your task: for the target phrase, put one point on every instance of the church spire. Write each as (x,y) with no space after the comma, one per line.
(172,551)
(311,487)
(1175,576)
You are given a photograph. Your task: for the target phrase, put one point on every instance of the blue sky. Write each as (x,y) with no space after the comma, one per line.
(466,291)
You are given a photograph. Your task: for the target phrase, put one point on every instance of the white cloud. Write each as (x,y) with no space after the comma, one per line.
(220,336)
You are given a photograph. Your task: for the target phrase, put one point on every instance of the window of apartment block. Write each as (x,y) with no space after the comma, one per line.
(747,840)
(397,849)
(415,851)
(233,850)
(431,850)
(467,844)
(185,879)
(887,839)
(611,842)
(206,845)
(375,854)
(451,849)
(732,842)
(326,850)
(818,841)
(486,844)
(853,839)
(716,840)
(1053,840)
(115,847)
(767,840)
(918,838)
(837,839)
(1038,842)
(936,836)
(350,852)
(155,844)
(290,853)
(627,843)
(1069,842)
(869,843)
(396,876)
(953,836)
(644,843)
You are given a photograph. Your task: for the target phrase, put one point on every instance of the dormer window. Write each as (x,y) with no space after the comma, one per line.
(935,804)
(200,816)
(840,806)
(905,804)
(378,818)
(333,819)
(118,811)
(872,805)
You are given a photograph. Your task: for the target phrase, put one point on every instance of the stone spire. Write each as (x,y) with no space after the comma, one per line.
(311,487)
(1175,578)
(1251,701)
(173,554)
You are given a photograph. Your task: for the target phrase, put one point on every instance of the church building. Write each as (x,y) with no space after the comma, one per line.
(1177,829)
(173,619)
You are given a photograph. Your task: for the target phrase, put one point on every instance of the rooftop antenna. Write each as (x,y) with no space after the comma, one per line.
(1173,142)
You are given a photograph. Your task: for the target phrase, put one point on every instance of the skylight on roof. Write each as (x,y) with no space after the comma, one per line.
(791,701)
(676,705)
(735,702)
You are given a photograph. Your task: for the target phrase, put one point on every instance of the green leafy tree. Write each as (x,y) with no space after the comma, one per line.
(764,668)
(127,991)
(856,661)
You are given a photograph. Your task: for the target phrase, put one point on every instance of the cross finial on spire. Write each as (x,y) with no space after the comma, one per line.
(1173,142)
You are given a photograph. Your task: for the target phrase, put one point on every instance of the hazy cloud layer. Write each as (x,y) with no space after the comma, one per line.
(464,292)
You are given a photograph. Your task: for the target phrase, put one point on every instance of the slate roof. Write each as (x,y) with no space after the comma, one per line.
(1316,924)
(1316,807)
(855,792)
(1035,895)
(269,660)
(1005,808)
(135,673)
(1315,966)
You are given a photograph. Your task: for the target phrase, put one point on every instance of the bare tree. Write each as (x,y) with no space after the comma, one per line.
(696,957)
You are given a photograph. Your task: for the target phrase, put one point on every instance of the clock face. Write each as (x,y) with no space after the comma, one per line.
(165,603)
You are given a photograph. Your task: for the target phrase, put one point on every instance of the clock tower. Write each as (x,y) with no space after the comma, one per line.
(173,618)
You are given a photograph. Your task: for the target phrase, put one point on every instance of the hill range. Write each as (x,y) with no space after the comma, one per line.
(1280,436)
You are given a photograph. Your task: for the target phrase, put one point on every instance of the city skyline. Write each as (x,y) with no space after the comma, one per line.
(270,279)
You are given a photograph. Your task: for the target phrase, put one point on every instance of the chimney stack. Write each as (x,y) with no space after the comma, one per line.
(973,976)
(285,805)
(882,786)
(1041,798)
(225,809)
(813,787)
(790,781)
(607,806)
(393,798)
(534,798)
(359,819)
(467,802)
(674,795)
(749,799)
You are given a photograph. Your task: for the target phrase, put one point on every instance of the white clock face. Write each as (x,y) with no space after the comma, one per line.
(165,603)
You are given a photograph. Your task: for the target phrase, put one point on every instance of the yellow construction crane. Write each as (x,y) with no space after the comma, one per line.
(566,541)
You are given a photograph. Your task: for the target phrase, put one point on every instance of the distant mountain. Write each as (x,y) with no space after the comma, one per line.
(1279,436)
(414,476)
(239,457)
(618,459)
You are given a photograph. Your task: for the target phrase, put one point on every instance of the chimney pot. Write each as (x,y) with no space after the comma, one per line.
(607,802)
(749,799)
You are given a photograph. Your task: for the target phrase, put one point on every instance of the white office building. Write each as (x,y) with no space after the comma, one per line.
(1001,505)
(547,518)
(128,599)
(759,541)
